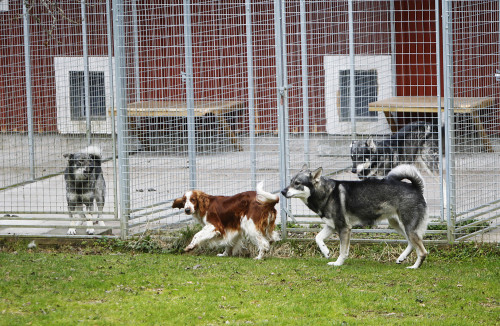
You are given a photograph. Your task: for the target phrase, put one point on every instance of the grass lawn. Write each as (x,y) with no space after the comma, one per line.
(455,286)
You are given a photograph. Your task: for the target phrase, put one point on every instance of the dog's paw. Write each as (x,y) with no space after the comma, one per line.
(412,267)
(71,231)
(90,231)
(188,248)
(224,254)
(339,262)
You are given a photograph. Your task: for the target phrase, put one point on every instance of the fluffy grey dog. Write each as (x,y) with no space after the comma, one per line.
(84,185)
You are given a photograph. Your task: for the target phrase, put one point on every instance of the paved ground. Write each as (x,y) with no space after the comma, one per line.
(156,178)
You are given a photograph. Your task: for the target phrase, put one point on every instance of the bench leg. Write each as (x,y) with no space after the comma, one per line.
(228,129)
(390,120)
(479,127)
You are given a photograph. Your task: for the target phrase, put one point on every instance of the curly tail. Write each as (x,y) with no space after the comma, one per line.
(410,172)
(264,196)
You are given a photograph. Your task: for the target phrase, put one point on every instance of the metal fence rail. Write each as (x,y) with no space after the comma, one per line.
(221,95)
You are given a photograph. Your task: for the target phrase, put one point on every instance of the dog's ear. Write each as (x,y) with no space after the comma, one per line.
(95,157)
(304,167)
(68,156)
(371,144)
(179,202)
(316,174)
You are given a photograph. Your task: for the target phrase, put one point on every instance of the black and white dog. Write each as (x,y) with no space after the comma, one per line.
(415,143)
(344,204)
(84,185)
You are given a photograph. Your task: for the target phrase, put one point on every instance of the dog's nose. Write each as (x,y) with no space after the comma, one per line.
(284,192)
(187,211)
(354,170)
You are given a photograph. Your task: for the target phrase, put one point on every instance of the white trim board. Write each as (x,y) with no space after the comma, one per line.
(62,66)
(333,64)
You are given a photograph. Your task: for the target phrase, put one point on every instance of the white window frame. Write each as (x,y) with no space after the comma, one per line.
(62,66)
(4,5)
(333,64)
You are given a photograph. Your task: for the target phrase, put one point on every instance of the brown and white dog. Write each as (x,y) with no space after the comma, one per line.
(228,220)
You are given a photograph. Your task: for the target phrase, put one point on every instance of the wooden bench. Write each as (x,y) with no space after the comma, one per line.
(151,109)
(429,104)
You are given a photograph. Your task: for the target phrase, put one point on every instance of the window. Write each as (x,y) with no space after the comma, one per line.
(365,91)
(4,5)
(97,96)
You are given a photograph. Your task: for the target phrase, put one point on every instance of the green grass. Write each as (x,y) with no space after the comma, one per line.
(456,285)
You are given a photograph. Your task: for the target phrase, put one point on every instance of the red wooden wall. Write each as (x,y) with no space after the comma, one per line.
(219,53)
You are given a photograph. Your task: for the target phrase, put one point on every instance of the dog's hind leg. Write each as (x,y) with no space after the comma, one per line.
(262,243)
(394,223)
(416,241)
(345,239)
(233,249)
(100,206)
(227,252)
(320,240)
(404,254)
(231,245)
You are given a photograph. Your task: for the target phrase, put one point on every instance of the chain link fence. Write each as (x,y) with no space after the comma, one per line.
(221,95)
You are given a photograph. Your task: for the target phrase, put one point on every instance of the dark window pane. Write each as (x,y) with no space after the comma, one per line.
(365,91)
(97,95)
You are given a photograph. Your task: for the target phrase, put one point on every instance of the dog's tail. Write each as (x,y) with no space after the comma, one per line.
(93,150)
(264,196)
(406,171)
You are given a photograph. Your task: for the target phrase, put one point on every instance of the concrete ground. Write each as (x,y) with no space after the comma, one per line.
(155,178)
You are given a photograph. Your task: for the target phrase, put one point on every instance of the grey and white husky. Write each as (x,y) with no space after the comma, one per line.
(84,185)
(344,204)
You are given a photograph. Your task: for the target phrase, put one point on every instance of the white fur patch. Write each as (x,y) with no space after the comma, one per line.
(363,166)
(188,203)
(301,194)
(264,196)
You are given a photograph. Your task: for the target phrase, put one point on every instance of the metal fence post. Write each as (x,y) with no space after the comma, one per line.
(448,113)
(281,105)
(121,107)
(439,112)
(251,93)
(352,70)
(29,100)
(305,82)
(112,105)
(393,51)
(86,77)
(188,45)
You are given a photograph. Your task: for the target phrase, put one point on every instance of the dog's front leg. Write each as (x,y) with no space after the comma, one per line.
(320,240)
(72,230)
(90,223)
(207,233)
(345,239)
